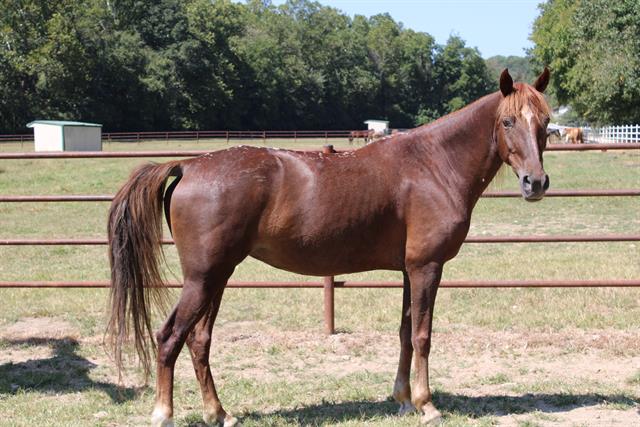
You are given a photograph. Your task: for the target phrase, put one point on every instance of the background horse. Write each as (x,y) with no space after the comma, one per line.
(553,136)
(573,136)
(355,134)
(402,203)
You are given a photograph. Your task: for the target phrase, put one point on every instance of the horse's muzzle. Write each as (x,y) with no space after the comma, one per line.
(533,187)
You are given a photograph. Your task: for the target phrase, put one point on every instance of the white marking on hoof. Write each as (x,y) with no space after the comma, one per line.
(231,421)
(210,419)
(406,408)
(159,419)
(431,415)
(224,420)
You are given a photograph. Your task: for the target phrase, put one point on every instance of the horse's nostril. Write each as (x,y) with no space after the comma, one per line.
(525,180)
(546,183)
(536,186)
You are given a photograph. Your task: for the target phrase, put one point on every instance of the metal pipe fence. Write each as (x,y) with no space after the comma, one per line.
(195,153)
(613,134)
(625,134)
(489,194)
(454,284)
(329,284)
(560,238)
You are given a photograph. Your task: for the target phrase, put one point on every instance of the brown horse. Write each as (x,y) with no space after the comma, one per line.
(573,136)
(402,203)
(355,134)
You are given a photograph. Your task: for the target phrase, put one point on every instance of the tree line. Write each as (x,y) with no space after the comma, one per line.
(593,50)
(202,64)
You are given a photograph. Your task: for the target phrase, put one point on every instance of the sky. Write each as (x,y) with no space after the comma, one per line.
(495,27)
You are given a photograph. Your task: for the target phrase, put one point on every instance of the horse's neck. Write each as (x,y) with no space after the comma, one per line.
(465,140)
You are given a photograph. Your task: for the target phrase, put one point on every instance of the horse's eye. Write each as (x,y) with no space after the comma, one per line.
(507,122)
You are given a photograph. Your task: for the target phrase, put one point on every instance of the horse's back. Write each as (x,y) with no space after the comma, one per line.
(330,213)
(306,212)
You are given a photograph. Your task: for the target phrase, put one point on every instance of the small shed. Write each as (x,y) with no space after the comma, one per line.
(379,127)
(54,135)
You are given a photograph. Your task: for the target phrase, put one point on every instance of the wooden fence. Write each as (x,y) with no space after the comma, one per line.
(197,135)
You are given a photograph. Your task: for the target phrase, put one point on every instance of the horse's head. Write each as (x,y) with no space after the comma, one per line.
(521,132)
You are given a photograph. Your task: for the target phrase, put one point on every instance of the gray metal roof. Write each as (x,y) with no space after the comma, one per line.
(61,123)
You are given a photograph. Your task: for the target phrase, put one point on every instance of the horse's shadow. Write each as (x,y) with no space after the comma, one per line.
(64,372)
(449,404)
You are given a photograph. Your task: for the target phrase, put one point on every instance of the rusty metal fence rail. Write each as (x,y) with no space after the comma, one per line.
(489,194)
(195,153)
(329,284)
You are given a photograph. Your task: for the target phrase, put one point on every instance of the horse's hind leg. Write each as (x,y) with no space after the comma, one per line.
(194,301)
(199,343)
(402,387)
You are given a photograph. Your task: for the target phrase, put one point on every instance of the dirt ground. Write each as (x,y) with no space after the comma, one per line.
(567,378)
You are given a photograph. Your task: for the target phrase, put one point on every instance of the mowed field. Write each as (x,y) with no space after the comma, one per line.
(512,357)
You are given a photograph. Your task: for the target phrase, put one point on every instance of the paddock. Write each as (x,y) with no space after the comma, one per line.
(358,391)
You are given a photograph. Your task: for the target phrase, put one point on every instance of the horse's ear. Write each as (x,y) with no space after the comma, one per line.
(542,81)
(506,82)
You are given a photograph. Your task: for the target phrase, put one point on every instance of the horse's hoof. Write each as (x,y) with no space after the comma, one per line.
(432,416)
(222,420)
(406,408)
(158,419)
(231,421)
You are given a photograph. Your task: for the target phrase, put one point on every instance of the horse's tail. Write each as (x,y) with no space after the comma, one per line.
(135,246)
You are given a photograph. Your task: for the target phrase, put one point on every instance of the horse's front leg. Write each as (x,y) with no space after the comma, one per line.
(401,387)
(424,286)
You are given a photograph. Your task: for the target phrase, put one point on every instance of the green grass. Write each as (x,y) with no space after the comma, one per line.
(68,380)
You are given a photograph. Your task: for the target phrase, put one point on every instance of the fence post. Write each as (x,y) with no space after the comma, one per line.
(329,305)
(329,284)
(328,149)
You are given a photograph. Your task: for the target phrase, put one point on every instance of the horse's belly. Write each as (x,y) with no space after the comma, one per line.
(332,258)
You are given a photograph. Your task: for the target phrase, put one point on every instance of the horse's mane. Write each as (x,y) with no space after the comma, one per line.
(523,94)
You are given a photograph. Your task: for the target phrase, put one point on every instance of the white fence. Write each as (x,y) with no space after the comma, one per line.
(612,134)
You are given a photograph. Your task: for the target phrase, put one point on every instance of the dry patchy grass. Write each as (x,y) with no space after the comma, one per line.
(516,357)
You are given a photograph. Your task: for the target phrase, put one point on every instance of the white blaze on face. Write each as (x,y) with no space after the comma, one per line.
(528,116)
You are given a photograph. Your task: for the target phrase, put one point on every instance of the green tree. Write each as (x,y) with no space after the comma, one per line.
(553,36)
(195,64)
(593,49)
(461,76)
(605,81)
(207,67)
(520,68)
